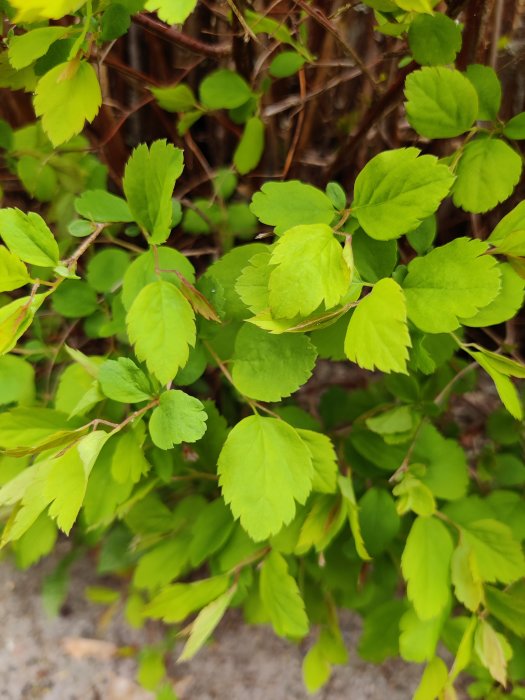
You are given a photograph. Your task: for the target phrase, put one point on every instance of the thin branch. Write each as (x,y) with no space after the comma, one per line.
(173,35)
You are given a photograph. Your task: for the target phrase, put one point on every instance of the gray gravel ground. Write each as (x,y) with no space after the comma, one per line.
(49,658)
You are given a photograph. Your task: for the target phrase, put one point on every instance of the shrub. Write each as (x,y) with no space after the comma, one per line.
(160,332)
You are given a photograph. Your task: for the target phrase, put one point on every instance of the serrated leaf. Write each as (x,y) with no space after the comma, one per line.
(174,603)
(418,639)
(36,10)
(172,11)
(128,463)
(269,367)
(506,390)
(509,234)
(487,173)
(148,184)
(264,468)
(24,49)
(426,566)
(446,472)
(324,460)
(178,418)
(434,39)
(396,190)
(161,326)
(441,103)
(205,623)
(281,598)
(288,204)
(508,606)
(450,282)
(121,380)
(468,585)
(28,237)
(347,491)
(66,97)
(99,205)
(13,272)
(252,285)
(489,647)
(310,269)
(377,335)
(498,555)
(505,305)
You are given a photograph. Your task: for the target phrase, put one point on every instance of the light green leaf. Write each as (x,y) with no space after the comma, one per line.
(224,89)
(252,285)
(426,566)
(316,669)
(174,603)
(205,623)
(347,491)
(15,319)
(129,463)
(264,467)
(99,205)
(497,554)
(397,189)
(487,173)
(450,282)
(285,64)
(35,10)
(175,98)
(251,146)
(488,87)
(490,648)
(67,96)
(148,184)
(508,606)
(17,381)
(515,127)
(28,237)
(24,49)
(161,326)
(172,11)
(281,598)
(324,460)
(13,272)
(269,367)
(505,305)
(379,520)
(377,335)
(468,585)
(163,563)
(214,517)
(509,234)
(418,639)
(433,680)
(446,472)
(434,39)
(178,418)
(310,269)
(507,391)
(288,204)
(441,103)
(121,380)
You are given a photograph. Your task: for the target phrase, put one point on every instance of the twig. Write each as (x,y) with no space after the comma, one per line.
(188,42)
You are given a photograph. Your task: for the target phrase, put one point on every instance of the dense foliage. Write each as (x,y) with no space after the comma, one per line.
(193,290)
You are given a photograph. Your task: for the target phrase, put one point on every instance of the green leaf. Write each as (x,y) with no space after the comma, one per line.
(498,555)
(148,184)
(66,481)
(508,606)
(163,563)
(425,565)
(36,10)
(505,388)
(175,98)
(347,491)
(377,335)
(17,381)
(509,234)
(161,326)
(129,463)
(15,319)
(178,418)
(105,270)
(515,127)
(172,11)
(434,39)
(450,282)
(487,173)
(503,307)
(214,517)
(224,89)
(252,285)
(205,623)
(115,21)
(264,467)
(24,49)
(269,367)
(141,272)
(373,259)
(381,631)
(468,585)
(288,204)
(397,189)
(489,647)
(446,472)
(324,460)
(251,146)
(121,380)
(418,639)
(174,603)
(441,103)
(281,598)
(379,520)
(316,669)
(433,680)
(285,64)
(74,299)
(28,237)
(488,87)
(13,272)
(309,269)
(151,668)
(67,96)
(99,205)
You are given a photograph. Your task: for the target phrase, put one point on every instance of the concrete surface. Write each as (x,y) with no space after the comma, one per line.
(74,656)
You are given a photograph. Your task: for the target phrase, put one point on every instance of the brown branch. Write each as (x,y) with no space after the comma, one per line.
(188,42)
